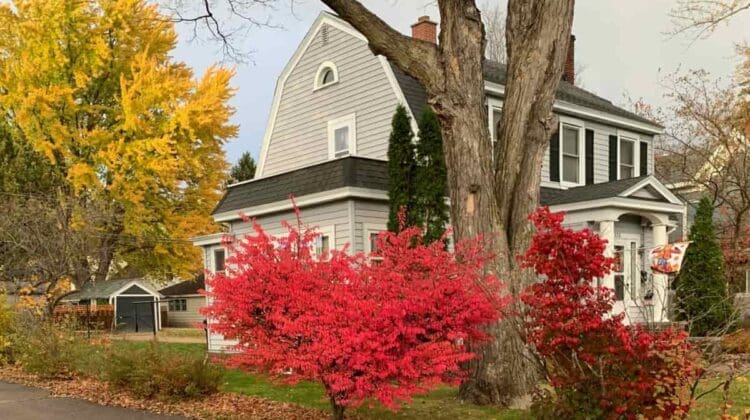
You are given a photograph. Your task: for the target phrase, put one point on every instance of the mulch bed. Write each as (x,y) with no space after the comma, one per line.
(218,406)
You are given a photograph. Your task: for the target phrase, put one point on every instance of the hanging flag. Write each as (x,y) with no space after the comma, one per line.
(667,259)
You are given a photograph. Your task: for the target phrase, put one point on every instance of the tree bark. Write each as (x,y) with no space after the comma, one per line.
(337,410)
(489,197)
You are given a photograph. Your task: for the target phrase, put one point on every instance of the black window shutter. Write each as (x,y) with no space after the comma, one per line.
(613,158)
(589,157)
(554,157)
(644,158)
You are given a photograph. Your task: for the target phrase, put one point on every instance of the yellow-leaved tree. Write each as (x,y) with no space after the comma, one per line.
(91,86)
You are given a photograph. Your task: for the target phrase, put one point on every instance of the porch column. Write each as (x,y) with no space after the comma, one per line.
(661,281)
(607,231)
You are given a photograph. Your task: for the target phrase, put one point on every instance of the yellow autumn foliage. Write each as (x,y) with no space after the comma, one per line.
(91,86)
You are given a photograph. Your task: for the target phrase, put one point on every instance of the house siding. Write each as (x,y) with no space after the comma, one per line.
(191,318)
(300,133)
(334,215)
(367,213)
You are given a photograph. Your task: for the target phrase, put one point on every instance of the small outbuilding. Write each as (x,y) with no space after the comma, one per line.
(184,302)
(135,302)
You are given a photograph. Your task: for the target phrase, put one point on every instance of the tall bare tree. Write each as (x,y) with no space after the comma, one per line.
(703,17)
(492,192)
(493,17)
(707,152)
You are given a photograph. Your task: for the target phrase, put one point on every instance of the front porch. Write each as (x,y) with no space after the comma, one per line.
(634,216)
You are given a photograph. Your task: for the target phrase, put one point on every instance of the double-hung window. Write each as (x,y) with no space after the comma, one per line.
(219,260)
(342,135)
(325,242)
(371,233)
(627,158)
(571,153)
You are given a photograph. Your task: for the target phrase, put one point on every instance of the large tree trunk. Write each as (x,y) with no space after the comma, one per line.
(489,197)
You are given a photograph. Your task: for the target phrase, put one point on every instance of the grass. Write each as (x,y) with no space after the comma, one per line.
(709,406)
(439,404)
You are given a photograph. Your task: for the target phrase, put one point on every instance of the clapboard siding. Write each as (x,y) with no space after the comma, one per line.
(300,134)
(322,216)
(372,213)
(189,318)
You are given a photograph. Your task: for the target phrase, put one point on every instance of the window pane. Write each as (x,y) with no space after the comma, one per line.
(327,76)
(219,261)
(341,139)
(619,287)
(373,242)
(626,171)
(570,141)
(626,152)
(323,245)
(570,169)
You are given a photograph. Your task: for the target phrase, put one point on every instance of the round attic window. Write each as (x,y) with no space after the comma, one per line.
(326,75)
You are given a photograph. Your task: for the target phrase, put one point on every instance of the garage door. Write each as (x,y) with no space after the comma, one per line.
(135,313)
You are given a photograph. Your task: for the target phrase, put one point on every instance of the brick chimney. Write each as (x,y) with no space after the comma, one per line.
(424,29)
(569,71)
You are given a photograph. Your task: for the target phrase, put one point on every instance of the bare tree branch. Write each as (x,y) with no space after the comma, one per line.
(703,17)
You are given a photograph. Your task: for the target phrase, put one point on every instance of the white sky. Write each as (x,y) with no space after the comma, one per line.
(622,45)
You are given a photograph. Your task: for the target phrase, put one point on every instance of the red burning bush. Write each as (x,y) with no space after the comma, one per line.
(382,327)
(596,364)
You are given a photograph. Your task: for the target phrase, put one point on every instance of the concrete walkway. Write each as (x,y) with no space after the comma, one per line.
(19,402)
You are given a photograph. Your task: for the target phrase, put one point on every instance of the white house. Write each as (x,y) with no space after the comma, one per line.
(326,142)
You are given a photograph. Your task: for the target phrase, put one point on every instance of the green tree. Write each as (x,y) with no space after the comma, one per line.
(701,285)
(402,167)
(431,178)
(244,169)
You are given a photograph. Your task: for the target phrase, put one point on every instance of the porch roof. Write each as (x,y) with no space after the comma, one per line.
(556,196)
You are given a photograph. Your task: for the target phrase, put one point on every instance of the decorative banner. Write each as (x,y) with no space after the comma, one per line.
(667,259)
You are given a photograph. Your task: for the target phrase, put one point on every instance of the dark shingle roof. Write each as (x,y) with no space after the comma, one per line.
(553,196)
(416,97)
(188,287)
(101,290)
(345,172)
(495,72)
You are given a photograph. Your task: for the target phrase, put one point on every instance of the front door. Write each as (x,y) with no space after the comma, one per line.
(627,268)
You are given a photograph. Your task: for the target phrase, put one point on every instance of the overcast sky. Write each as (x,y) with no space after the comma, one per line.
(621,44)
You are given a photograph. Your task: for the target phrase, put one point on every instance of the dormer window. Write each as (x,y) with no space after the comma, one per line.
(327,75)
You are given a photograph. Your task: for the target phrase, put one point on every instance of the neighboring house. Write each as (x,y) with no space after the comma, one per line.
(135,302)
(183,302)
(326,143)
(688,174)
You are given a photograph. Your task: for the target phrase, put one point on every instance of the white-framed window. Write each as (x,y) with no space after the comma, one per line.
(178,305)
(628,155)
(572,152)
(371,232)
(325,242)
(342,136)
(219,260)
(326,75)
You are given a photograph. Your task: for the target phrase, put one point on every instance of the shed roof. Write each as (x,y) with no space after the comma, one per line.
(106,289)
(187,287)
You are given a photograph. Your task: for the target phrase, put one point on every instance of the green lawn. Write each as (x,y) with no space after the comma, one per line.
(439,404)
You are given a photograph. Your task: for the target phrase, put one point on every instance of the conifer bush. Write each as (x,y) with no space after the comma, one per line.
(702,298)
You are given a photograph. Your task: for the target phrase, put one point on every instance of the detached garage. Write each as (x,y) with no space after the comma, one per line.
(135,302)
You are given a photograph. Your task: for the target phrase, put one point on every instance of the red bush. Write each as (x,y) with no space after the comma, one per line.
(380,328)
(597,364)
